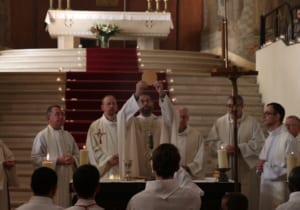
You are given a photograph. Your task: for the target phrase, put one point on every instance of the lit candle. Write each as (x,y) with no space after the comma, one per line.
(291,163)
(222,158)
(84,156)
(51,4)
(48,163)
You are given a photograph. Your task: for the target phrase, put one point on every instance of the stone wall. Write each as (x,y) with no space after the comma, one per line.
(243,25)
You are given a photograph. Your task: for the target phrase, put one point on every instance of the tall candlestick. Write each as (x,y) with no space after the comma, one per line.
(84,156)
(68,4)
(222,158)
(59,4)
(48,163)
(291,163)
(51,4)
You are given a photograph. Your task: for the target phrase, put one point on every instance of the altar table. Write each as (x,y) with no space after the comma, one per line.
(114,195)
(145,27)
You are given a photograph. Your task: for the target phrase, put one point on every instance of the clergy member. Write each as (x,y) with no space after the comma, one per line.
(292,123)
(139,135)
(272,165)
(62,149)
(250,142)
(190,144)
(102,141)
(8,176)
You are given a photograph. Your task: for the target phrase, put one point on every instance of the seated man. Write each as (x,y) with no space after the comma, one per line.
(165,192)
(294,186)
(234,201)
(43,186)
(86,184)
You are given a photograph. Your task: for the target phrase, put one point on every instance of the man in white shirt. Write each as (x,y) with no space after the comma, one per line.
(102,142)
(165,192)
(43,186)
(294,186)
(250,142)
(273,157)
(190,144)
(139,135)
(62,150)
(8,176)
(86,184)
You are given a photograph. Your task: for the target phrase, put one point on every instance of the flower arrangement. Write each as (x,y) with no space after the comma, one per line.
(104,32)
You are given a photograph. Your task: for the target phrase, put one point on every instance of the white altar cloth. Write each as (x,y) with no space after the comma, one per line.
(145,27)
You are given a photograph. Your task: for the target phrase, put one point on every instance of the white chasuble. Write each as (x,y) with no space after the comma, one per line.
(102,144)
(57,143)
(133,134)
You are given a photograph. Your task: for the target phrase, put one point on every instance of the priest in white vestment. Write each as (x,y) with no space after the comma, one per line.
(63,152)
(250,141)
(190,144)
(102,141)
(8,176)
(273,158)
(139,135)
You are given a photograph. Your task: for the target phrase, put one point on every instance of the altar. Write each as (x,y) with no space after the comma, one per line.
(114,195)
(145,27)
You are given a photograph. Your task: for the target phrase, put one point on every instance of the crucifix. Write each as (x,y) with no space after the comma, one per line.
(232,73)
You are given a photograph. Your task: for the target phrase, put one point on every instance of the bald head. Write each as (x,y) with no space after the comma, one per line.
(292,123)
(109,107)
(183,117)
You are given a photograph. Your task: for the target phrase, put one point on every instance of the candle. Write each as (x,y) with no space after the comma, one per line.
(59,4)
(51,4)
(222,158)
(48,163)
(68,4)
(84,156)
(291,163)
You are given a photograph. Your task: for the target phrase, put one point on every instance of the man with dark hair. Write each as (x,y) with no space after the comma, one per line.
(272,165)
(234,201)
(138,135)
(101,140)
(294,186)
(165,192)
(250,141)
(86,184)
(43,186)
(62,150)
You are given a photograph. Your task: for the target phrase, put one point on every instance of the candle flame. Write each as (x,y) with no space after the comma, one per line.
(222,147)
(292,153)
(84,147)
(47,156)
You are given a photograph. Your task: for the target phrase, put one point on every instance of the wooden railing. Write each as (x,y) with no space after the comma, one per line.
(277,21)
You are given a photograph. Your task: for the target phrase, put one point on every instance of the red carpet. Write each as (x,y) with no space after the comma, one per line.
(110,71)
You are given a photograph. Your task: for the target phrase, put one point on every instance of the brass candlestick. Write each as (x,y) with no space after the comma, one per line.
(157,5)
(165,5)
(149,6)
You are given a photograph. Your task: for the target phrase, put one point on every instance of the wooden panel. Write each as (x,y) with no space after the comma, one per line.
(22,27)
(28,27)
(190,24)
